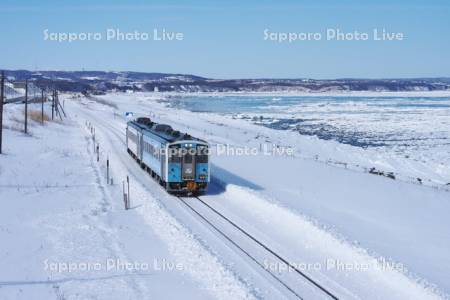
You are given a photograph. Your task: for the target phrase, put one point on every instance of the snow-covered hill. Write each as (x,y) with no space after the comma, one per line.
(101,82)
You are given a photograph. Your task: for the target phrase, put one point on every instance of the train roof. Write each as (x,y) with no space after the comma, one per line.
(163,131)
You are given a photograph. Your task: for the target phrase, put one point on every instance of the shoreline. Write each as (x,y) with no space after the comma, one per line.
(425,94)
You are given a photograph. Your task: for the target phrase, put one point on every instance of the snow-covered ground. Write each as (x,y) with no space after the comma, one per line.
(361,236)
(65,235)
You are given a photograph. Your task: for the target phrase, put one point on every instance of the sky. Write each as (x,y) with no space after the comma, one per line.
(225,39)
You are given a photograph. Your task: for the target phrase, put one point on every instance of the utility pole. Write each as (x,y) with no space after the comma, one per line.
(2,91)
(56,104)
(26,106)
(42,106)
(53,105)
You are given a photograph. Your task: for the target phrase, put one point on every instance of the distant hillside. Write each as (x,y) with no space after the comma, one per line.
(98,82)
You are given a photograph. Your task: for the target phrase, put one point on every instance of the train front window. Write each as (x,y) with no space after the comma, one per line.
(174,154)
(202,154)
(188,158)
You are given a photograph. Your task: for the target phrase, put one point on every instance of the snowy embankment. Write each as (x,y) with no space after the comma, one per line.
(65,235)
(396,228)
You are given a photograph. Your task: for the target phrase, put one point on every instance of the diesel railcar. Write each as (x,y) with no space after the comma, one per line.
(178,161)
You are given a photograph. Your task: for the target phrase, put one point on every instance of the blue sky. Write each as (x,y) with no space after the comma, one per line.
(226,40)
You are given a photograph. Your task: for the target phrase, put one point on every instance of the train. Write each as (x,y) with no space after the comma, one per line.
(176,160)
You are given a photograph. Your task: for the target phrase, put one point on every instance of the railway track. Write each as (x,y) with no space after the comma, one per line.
(299,284)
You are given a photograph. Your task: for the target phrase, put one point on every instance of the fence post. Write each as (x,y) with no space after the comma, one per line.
(128,194)
(107,170)
(93,139)
(98,152)
(124,195)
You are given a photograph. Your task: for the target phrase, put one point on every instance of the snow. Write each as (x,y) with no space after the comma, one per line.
(58,210)
(298,237)
(314,213)
(90,77)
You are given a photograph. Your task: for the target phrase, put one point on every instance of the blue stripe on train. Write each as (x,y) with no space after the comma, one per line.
(174,172)
(201,172)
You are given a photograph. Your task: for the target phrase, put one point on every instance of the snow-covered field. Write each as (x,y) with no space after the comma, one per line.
(362,236)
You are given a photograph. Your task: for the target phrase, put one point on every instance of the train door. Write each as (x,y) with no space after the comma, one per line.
(188,165)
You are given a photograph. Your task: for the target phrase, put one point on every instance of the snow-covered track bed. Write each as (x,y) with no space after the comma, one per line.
(299,284)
